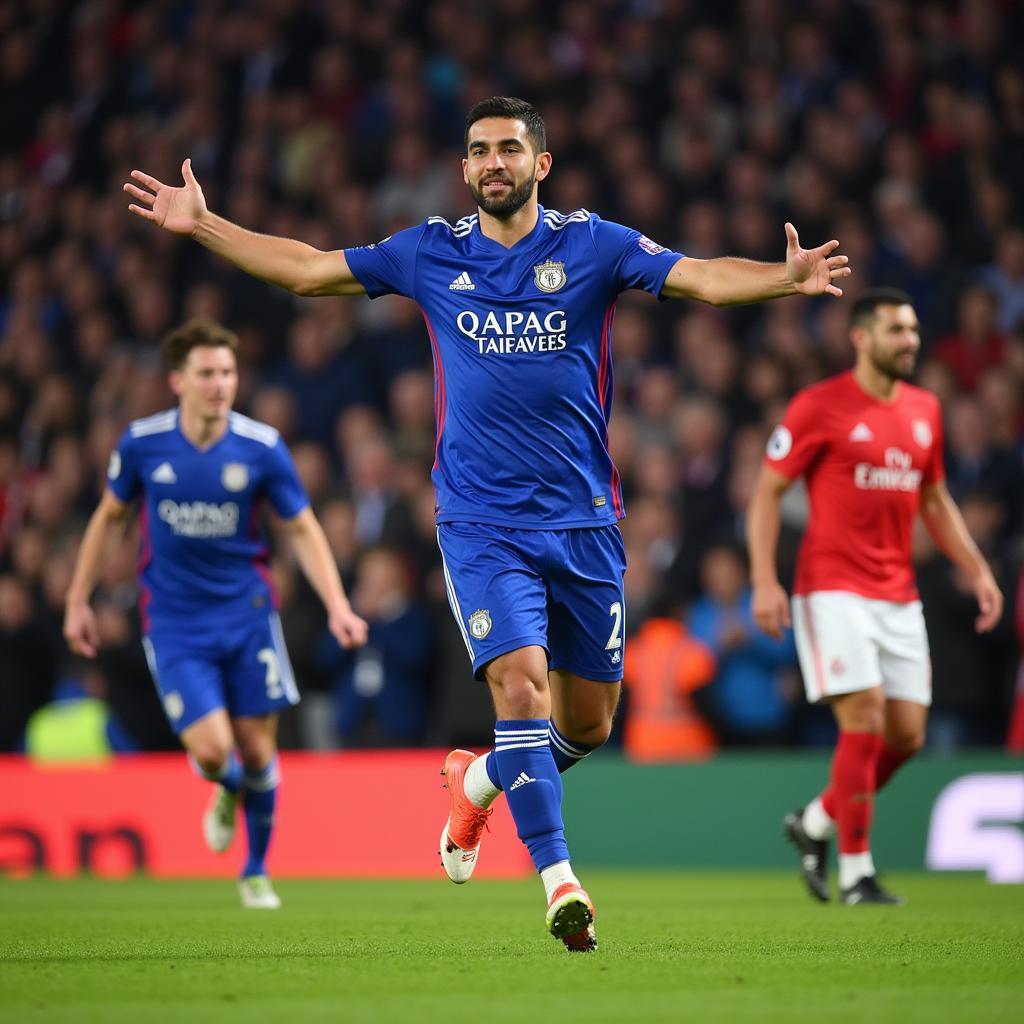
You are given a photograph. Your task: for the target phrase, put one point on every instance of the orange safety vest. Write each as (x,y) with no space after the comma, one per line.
(663,666)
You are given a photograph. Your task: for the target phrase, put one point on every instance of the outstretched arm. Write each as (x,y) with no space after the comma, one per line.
(769,605)
(949,531)
(80,629)
(282,261)
(317,562)
(730,281)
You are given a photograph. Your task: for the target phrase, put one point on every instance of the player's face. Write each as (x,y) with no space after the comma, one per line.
(893,341)
(208,382)
(501,168)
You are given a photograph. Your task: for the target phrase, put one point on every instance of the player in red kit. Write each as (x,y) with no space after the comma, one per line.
(869,446)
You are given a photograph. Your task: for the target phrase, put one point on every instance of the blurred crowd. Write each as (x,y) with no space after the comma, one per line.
(895,126)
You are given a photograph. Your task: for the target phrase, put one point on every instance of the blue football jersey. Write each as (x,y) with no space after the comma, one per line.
(202,553)
(521,340)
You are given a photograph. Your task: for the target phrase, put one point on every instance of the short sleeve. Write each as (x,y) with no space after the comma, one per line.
(282,484)
(935,471)
(123,475)
(631,259)
(797,441)
(389,267)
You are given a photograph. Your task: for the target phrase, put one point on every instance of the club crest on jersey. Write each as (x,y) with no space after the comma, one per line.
(549,276)
(174,705)
(922,433)
(235,476)
(480,623)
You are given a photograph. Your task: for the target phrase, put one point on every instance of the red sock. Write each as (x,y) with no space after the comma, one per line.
(852,788)
(828,801)
(888,761)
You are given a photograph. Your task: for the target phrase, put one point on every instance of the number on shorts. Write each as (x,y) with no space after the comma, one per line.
(615,640)
(268,656)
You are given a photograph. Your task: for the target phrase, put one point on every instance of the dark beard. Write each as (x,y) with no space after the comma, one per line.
(892,369)
(505,208)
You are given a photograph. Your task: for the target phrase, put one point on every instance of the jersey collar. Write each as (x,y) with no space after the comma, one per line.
(524,243)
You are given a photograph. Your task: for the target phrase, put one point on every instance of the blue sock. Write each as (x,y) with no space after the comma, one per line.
(565,752)
(532,787)
(229,776)
(258,806)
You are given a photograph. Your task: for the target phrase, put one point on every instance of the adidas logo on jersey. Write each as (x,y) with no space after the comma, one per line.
(164,474)
(462,284)
(861,432)
(522,780)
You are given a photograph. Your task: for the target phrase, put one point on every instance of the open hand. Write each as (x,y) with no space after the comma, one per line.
(177,210)
(812,271)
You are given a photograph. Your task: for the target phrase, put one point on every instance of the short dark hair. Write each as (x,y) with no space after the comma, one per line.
(197,333)
(517,109)
(865,306)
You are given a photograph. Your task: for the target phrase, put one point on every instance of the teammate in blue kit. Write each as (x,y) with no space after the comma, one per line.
(519,303)
(212,636)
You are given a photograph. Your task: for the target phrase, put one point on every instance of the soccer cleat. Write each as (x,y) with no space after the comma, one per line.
(813,855)
(219,819)
(571,918)
(257,893)
(868,890)
(464,829)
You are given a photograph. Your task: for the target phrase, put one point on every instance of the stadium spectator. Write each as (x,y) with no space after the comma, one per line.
(977,344)
(745,702)
(972,673)
(665,667)
(383,690)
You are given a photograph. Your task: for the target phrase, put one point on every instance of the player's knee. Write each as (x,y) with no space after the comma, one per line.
(521,695)
(210,755)
(256,756)
(862,712)
(591,734)
(908,742)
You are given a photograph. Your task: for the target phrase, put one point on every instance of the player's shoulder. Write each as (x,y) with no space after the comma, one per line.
(149,426)
(920,398)
(822,394)
(253,430)
(441,230)
(556,221)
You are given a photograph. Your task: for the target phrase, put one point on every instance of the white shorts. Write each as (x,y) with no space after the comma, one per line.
(849,643)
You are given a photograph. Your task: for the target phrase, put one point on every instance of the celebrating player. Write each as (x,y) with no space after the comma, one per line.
(518,302)
(212,637)
(870,448)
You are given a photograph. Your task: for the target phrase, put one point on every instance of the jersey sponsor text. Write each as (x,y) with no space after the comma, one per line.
(514,331)
(199,518)
(897,474)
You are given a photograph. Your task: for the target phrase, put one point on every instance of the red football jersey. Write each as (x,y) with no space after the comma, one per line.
(864,461)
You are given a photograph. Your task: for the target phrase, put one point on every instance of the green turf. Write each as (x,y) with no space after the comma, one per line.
(701,947)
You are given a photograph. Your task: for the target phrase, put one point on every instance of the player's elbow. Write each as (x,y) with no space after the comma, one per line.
(311,274)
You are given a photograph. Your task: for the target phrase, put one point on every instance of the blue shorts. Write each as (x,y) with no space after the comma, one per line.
(201,666)
(558,589)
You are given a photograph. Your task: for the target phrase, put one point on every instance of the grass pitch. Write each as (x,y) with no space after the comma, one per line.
(702,947)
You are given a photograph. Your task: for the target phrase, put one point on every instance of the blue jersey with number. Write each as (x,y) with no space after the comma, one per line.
(202,554)
(521,340)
